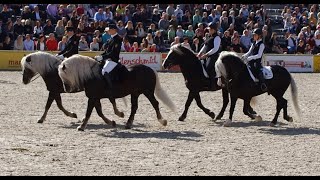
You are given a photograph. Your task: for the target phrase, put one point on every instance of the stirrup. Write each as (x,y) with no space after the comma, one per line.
(263,87)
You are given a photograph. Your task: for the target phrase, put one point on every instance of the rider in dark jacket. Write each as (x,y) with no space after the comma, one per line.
(72,44)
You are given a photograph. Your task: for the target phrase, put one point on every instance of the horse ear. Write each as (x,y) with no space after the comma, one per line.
(28,59)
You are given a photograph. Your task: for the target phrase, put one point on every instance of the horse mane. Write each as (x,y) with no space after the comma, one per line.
(41,62)
(179,49)
(220,67)
(79,69)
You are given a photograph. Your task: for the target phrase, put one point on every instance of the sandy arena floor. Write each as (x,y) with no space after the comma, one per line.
(197,146)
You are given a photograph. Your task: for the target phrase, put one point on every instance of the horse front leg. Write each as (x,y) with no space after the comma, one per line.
(99,111)
(134,107)
(48,105)
(225,96)
(200,105)
(115,108)
(232,106)
(186,106)
(90,106)
(59,103)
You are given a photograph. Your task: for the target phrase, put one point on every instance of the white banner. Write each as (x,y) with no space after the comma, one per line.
(293,63)
(149,59)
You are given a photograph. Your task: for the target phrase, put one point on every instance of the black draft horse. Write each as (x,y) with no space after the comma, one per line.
(191,68)
(84,72)
(46,65)
(240,85)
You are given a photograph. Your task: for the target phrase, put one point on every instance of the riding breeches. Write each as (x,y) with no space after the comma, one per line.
(108,66)
(255,66)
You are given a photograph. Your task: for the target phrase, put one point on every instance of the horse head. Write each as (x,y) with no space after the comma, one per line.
(37,63)
(228,66)
(178,55)
(76,70)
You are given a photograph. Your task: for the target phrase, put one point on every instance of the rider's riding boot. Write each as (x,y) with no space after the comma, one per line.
(263,85)
(212,76)
(109,84)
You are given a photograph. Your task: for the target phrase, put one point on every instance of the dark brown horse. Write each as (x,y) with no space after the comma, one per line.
(78,72)
(46,65)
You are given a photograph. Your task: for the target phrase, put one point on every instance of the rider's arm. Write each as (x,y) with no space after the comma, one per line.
(249,52)
(202,50)
(216,42)
(259,55)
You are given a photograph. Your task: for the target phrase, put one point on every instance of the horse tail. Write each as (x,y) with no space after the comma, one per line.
(162,95)
(294,96)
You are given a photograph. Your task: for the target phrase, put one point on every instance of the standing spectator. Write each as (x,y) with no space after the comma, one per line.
(62,43)
(59,30)
(155,16)
(48,28)
(28,43)
(18,28)
(164,24)
(18,43)
(158,40)
(94,45)
(41,45)
(52,44)
(170,10)
(38,29)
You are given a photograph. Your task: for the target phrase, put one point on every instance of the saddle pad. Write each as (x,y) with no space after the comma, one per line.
(267,73)
(108,67)
(203,70)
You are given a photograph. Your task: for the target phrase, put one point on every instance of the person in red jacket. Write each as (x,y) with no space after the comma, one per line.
(52,43)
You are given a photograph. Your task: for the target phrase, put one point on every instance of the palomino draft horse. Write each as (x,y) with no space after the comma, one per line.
(84,72)
(46,65)
(230,66)
(196,82)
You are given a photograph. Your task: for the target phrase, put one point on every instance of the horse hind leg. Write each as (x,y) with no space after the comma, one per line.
(48,105)
(155,105)
(285,111)
(99,111)
(134,108)
(115,108)
(60,106)
(280,104)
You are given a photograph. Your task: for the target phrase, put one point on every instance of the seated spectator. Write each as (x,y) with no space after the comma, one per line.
(27,28)
(121,29)
(176,41)
(189,33)
(38,29)
(52,44)
(152,29)
(308,49)
(144,47)
(48,28)
(163,24)
(153,48)
(62,43)
(196,19)
(171,34)
(59,30)
(291,41)
(38,15)
(137,17)
(301,47)
(40,44)
(7,43)
(155,18)
(125,46)
(159,41)
(135,47)
(83,44)
(275,46)
(149,39)
(94,45)
(180,32)
(99,16)
(174,22)
(235,45)
(186,20)
(126,16)
(98,35)
(105,36)
(226,41)
(140,32)
(52,12)
(185,43)
(26,14)
(18,28)
(245,41)
(108,15)
(28,43)
(18,43)
(198,35)
(195,46)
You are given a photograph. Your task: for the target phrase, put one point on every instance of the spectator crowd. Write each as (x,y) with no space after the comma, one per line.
(156,27)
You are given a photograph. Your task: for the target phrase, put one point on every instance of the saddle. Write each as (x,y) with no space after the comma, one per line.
(267,73)
(119,73)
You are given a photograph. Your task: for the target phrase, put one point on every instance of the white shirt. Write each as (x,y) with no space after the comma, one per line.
(260,52)
(114,35)
(216,42)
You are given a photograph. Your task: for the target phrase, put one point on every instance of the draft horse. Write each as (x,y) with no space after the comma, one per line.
(46,65)
(195,80)
(79,72)
(235,73)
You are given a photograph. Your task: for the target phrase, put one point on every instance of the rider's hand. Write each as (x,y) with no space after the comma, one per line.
(204,56)
(60,56)
(199,55)
(98,58)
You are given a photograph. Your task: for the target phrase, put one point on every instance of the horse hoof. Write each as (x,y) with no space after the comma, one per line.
(218,117)
(79,128)
(212,115)
(290,119)
(127,126)
(227,123)
(258,118)
(272,124)
(113,124)
(40,121)
(164,122)
(181,118)
(121,115)
(74,115)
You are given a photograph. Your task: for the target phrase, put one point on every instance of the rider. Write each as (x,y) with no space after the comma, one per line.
(72,44)
(111,56)
(210,51)
(254,56)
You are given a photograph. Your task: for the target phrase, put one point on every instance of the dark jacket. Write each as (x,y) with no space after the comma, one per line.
(71,47)
(113,50)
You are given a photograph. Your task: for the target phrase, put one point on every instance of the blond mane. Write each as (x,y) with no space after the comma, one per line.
(219,66)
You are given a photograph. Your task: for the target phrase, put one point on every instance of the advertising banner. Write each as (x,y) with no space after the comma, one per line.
(293,63)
